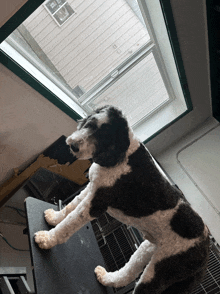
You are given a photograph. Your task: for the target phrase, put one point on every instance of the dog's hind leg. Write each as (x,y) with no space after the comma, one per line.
(130,271)
(170,274)
(55,217)
(186,286)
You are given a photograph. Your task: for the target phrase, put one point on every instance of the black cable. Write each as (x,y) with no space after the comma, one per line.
(12,223)
(11,245)
(18,210)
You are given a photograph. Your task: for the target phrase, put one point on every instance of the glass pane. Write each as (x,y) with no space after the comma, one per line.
(90,44)
(53,5)
(139,92)
(63,13)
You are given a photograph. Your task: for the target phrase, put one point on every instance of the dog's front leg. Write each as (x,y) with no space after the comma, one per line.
(122,277)
(55,217)
(66,228)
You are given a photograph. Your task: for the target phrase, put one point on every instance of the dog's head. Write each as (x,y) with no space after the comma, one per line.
(103,136)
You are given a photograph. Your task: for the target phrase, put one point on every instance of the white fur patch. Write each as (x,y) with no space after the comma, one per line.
(132,269)
(156,228)
(74,220)
(134,143)
(101,117)
(86,148)
(79,135)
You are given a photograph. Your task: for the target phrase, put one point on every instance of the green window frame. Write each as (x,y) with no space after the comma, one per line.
(31,5)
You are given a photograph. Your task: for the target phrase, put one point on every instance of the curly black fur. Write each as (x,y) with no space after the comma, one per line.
(111,139)
(128,185)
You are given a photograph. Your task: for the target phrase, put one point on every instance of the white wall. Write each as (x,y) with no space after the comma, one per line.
(194,165)
(29,123)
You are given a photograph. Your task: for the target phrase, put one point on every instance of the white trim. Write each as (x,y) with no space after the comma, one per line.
(40,66)
(153,16)
(159,119)
(159,44)
(109,80)
(144,131)
(27,66)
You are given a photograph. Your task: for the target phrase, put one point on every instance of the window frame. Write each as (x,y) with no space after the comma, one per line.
(52,14)
(170,26)
(124,68)
(24,12)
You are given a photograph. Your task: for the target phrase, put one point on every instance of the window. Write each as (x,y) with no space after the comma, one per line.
(112,52)
(60,10)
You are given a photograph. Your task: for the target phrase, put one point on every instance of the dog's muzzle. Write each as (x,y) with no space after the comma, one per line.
(74,146)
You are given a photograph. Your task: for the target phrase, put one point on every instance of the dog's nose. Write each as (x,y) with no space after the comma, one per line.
(74,147)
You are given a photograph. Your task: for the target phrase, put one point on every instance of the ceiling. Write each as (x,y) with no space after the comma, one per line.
(8,9)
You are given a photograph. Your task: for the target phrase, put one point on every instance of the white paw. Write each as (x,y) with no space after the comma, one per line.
(52,217)
(100,274)
(45,240)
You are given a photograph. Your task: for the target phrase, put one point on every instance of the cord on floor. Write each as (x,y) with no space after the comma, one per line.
(11,245)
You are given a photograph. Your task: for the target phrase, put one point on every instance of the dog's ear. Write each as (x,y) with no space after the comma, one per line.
(112,140)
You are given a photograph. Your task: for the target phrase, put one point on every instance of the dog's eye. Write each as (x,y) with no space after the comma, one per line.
(91,125)
(80,141)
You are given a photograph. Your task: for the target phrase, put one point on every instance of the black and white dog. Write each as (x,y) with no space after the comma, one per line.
(126,183)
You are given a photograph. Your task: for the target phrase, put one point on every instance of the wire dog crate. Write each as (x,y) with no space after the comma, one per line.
(117,243)
(211,281)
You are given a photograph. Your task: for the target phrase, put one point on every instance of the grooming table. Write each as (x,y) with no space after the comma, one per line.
(66,268)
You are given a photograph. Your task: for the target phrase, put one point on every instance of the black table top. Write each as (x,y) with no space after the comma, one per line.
(66,268)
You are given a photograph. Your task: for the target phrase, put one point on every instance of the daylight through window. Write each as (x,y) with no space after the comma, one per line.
(109,52)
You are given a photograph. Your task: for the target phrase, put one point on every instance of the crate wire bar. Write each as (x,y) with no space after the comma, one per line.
(211,281)
(117,243)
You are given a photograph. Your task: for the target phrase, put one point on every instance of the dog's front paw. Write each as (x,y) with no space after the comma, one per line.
(100,274)
(45,240)
(52,217)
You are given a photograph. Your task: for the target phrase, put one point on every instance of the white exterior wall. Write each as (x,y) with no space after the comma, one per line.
(92,42)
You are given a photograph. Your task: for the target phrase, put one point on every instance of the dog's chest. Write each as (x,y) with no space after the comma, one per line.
(106,177)
(120,188)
